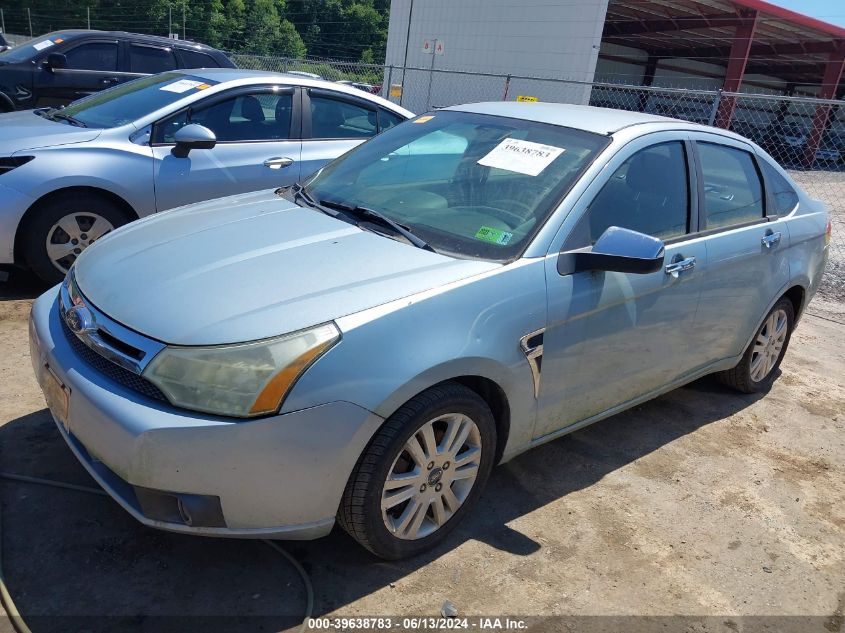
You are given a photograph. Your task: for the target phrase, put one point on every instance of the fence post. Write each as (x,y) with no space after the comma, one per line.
(507,87)
(29,18)
(389,82)
(712,118)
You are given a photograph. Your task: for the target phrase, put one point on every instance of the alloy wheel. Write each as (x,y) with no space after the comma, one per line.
(432,476)
(72,234)
(768,345)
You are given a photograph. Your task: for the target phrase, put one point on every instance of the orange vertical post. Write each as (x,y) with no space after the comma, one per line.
(740,48)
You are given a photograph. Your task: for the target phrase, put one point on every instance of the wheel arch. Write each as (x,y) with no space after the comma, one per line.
(29,214)
(6,103)
(797,294)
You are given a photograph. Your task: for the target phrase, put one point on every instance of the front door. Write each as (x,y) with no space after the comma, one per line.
(91,67)
(612,337)
(255,149)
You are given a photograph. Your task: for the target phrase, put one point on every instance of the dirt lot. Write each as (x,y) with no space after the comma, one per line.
(703,502)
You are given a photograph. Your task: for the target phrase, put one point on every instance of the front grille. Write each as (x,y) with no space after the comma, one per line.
(116,373)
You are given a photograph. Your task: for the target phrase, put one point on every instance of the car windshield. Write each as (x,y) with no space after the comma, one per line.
(470,185)
(130,101)
(27,51)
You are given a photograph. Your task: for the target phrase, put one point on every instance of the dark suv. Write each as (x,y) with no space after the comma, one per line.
(64,66)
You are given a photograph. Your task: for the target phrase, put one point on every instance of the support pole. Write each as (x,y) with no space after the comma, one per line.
(88,12)
(648,79)
(29,18)
(183,19)
(507,88)
(2,21)
(832,75)
(740,48)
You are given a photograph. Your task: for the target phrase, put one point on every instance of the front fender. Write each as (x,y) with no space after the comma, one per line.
(390,353)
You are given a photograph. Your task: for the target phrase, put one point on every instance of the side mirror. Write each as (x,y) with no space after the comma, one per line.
(190,137)
(55,61)
(617,250)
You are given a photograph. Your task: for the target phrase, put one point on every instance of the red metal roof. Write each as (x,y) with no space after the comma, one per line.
(786,44)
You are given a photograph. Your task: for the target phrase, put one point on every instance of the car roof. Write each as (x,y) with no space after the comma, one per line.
(244,77)
(589,118)
(151,39)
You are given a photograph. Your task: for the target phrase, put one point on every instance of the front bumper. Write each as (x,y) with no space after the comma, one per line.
(277,477)
(13,205)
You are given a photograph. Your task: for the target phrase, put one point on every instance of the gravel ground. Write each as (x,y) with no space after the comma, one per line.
(701,503)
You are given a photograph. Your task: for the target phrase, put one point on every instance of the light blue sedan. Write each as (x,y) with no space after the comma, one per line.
(363,348)
(69,176)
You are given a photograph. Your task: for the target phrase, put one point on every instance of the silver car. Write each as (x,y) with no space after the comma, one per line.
(364,347)
(69,176)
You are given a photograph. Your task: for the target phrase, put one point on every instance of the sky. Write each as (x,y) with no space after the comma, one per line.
(832,11)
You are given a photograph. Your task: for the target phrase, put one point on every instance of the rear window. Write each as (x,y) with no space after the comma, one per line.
(150,59)
(194,59)
(733,193)
(782,193)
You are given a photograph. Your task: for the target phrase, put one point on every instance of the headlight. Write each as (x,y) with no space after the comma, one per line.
(239,380)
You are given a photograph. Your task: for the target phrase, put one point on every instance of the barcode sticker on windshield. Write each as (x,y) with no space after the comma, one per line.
(522,157)
(183,85)
(42,45)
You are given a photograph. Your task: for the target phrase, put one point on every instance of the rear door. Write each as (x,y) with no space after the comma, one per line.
(332,124)
(746,245)
(258,146)
(92,65)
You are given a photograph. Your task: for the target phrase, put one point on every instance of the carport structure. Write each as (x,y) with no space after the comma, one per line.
(745,37)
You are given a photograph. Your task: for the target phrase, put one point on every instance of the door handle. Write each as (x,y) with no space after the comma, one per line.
(109,80)
(278,163)
(770,239)
(675,268)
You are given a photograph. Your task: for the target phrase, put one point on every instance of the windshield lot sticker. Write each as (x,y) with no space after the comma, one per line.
(183,85)
(424,119)
(522,157)
(42,45)
(494,236)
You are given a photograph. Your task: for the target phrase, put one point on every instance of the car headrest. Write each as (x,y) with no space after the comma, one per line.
(647,173)
(283,108)
(251,108)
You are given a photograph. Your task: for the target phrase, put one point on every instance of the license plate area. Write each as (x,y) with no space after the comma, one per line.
(56,394)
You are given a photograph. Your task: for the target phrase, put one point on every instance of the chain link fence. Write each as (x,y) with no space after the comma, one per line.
(805,135)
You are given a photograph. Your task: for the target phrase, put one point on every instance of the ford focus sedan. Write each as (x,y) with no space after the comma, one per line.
(69,176)
(364,347)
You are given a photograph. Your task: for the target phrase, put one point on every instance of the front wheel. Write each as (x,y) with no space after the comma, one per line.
(757,369)
(421,473)
(62,228)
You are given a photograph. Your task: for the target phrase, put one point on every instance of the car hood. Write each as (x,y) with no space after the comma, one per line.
(25,130)
(250,267)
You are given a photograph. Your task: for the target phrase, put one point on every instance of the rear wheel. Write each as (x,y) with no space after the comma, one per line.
(421,473)
(64,226)
(757,369)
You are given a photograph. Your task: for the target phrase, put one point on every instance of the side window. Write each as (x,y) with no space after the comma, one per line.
(193,59)
(649,193)
(93,56)
(332,118)
(248,117)
(783,195)
(150,59)
(733,193)
(387,120)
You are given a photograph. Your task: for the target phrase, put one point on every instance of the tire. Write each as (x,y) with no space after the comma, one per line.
(444,409)
(748,376)
(86,217)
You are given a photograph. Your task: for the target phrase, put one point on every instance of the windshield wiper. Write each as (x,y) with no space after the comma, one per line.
(371,215)
(57,115)
(301,195)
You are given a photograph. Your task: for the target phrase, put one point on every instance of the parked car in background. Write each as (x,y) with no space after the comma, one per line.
(831,150)
(69,176)
(64,66)
(366,346)
(785,141)
(360,85)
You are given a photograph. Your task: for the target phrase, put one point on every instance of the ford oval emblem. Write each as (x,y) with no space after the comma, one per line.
(80,320)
